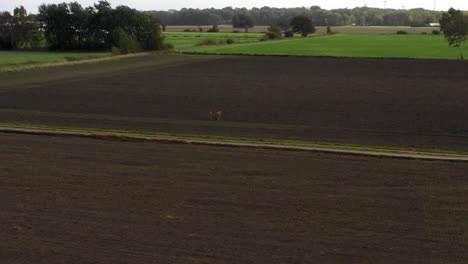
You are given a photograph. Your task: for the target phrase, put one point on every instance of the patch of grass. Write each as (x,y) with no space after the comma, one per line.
(220,139)
(361,46)
(10,58)
(182,40)
(113,65)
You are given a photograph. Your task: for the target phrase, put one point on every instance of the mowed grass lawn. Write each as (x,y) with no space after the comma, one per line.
(32,57)
(341,45)
(182,40)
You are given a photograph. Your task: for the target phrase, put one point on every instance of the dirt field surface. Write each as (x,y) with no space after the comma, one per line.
(402,103)
(75,200)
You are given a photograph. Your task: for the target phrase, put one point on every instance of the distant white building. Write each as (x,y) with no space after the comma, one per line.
(434,24)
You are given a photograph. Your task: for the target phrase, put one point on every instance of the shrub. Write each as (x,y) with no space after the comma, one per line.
(153,40)
(126,43)
(273,29)
(189,30)
(230,41)
(272,35)
(423,33)
(36,41)
(288,34)
(200,29)
(167,46)
(435,32)
(401,32)
(115,51)
(235,31)
(215,28)
(329,30)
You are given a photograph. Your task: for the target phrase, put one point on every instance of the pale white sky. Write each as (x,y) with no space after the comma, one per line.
(31,5)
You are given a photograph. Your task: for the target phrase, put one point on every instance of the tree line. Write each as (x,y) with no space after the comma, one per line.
(70,26)
(363,16)
(20,30)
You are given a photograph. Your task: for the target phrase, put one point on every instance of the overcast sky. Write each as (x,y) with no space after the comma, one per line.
(31,5)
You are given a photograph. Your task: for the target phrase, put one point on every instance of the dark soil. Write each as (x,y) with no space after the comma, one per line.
(403,103)
(75,200)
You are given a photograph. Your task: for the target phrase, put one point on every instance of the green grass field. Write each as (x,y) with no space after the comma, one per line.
(340,45)
(9,58)
(182,40)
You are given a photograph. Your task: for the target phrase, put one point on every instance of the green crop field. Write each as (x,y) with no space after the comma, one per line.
(182,40)
(8,58)
(340,45)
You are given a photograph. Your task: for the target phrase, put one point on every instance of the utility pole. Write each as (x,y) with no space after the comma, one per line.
(434,5)
(385,4)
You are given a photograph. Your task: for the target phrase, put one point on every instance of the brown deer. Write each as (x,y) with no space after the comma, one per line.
(216,116)
(219,115)
(212,116)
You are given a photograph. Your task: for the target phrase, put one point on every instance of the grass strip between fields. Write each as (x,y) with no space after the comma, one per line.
(233,141)
(85,60)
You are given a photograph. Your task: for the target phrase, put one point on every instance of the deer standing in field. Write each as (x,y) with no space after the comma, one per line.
(219,115)
(216,116)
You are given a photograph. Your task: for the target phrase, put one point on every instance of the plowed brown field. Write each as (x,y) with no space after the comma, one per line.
(75,200)
(403,103)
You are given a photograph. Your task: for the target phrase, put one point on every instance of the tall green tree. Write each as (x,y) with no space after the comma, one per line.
(101,26)
(21,15)
(59,31)
(80,18)
(303,25)
(242,21)
(5,30)
(19,27)
(18,31)
(455,27)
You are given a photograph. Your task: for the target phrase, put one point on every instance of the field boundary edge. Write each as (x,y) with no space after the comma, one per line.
(122,136)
